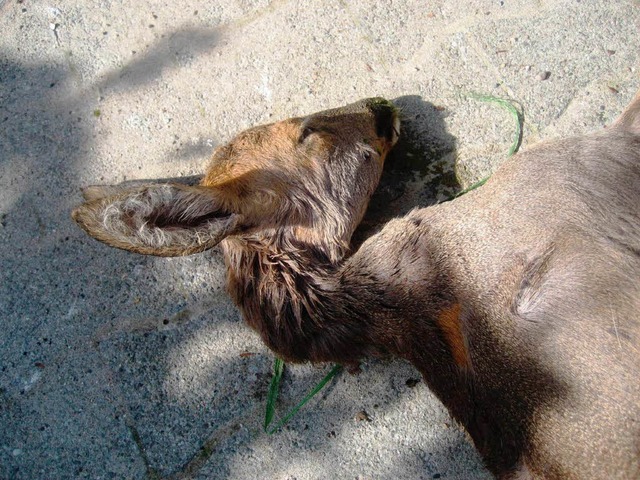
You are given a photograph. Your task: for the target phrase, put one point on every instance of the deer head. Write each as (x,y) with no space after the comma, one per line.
(311,177)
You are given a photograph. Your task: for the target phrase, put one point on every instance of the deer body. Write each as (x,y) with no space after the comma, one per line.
(519,302)
(534,346)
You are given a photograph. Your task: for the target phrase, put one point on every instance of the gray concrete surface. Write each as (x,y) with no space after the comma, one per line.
(120,366)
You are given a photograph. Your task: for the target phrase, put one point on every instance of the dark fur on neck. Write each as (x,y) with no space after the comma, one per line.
(290,292)
(308,307)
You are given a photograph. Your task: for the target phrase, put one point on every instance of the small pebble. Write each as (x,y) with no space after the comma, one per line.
(362,415)
(544,75)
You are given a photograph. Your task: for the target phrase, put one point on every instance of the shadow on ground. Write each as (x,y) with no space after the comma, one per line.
(419,171)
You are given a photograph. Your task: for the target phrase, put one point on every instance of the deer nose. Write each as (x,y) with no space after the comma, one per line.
(386,115)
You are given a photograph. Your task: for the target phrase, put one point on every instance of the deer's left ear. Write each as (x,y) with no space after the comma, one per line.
(166,220)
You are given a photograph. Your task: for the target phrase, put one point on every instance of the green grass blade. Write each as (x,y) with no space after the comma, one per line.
(274,387)
(507,105)
(272,398)
(515,146)
(472,187)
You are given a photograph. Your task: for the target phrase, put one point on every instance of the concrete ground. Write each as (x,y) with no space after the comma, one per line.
(114,365)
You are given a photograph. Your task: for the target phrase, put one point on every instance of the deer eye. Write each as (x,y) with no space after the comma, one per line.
(306,132)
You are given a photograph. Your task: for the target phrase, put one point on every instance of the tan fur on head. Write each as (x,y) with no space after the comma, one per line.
(315,174)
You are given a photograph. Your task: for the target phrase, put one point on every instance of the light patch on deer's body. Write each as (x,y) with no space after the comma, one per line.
(615,326)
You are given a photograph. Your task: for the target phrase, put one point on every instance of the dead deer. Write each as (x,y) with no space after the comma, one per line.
(519,302)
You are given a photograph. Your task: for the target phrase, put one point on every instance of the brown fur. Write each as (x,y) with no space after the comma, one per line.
(449,322)
(519,302)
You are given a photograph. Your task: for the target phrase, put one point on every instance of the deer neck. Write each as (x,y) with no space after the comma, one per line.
(291,293)
(308,308)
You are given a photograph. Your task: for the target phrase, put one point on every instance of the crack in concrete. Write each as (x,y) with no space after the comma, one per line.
(206,450)
(152,474)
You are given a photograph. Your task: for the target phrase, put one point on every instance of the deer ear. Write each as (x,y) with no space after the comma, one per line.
(166,220)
